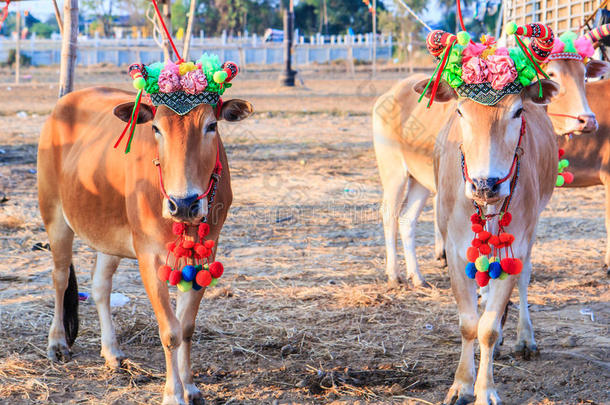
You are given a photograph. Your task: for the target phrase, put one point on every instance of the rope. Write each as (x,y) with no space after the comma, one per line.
(169,37)
(410,11)
(4,14)
(459,13)
(563,115)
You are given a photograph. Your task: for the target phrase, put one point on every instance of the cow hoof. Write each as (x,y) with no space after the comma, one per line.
(442,259)
(420,283)
(526,351)
(488,397)
(59,352)
(396,282)
(459,394)
(114,358)
(172,400)
(193,395)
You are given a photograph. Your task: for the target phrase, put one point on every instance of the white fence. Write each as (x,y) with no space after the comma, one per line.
(244,51)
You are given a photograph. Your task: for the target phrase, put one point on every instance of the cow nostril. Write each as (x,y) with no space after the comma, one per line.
(194,209)
(172,206)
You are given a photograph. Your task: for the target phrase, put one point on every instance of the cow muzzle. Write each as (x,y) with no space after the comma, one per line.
(586,123)
(189,209)
(486,190)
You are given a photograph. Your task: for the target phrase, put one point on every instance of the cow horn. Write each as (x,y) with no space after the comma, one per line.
(542,38)
(438,40)
(598,33)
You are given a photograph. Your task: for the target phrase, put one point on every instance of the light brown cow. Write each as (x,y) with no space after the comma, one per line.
(113,202)
(489,137)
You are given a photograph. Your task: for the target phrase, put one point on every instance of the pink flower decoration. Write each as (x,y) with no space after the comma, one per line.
(169,82)
(172,67)
(474,71)
(502,50)
(584,47)
(194,82)
(558,46)
(472,50)
(501,71)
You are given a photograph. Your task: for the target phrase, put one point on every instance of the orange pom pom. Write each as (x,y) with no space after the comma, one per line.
(203,278)
(493,240)
(472,253)
(476,228)
(209,244)
(484,235)
(482,278)
(188,244)
(484,249)
(164,272)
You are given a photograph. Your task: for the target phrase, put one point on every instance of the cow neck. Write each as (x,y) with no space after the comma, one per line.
(491,256)
(563,176)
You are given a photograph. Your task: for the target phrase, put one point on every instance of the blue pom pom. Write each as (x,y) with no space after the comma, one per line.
(188,273)
(495,269)
(196,286)
(471,270)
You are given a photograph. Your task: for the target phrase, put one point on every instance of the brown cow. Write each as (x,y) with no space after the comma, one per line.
(489,138)
(114,203)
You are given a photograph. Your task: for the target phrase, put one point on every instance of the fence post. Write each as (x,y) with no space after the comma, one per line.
(410,52)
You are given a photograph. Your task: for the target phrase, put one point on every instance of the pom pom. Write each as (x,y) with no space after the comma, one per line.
(178,228)
(493,259)
(139,83)
(560,181)
(186,67)
(202,251)
(484,235)
(170,246)
(476,228)
(463,38)
(563,163)
(220,76)
(494,240)
(476,219)
(482,278)
(567,177)
(506,219)
(495,269)
(196,287)
(204,230)
(470,270)
(188,273)
(511,28)
(472,254)
(214,282)
(476,242)
(174,277)
(188,244)
(506,238)
(209,244)
(482,263)
(508,265)
(203,278)
(164,272)
(184,285)
(561,152)
(216,269)
(518,266)
(484,249)
(503,276)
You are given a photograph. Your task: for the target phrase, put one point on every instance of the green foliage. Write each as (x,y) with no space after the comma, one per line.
(340,15)
(25,59)
(43,30)
(179,12)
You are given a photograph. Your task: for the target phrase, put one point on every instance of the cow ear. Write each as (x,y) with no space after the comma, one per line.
(235,110)
(597,68)
(549,90)
(123,111)
(444,92)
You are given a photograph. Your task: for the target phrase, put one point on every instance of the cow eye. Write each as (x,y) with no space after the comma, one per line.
(211,127)
(156,130)
(518,112)
(551,74)
(457,110)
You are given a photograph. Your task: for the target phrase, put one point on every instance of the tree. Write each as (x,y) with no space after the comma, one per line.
(179,11)
(341,15)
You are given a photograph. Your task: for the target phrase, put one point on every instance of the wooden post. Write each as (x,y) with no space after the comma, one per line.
(410,52)
(166,12)
(189,30)
(18,46)
(60,23)
(68,47)
(287,76)
(374,37)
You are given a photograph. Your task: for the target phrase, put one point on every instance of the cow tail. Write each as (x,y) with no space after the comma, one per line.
(71,308)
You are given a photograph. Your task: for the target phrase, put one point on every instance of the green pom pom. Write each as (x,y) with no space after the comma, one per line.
(560,181)
(482,263)
(184,286)
(563,163)
(503,275)
(220,76)
(139,83)
(568,39)
(463,38)
(511,28)
(214,282)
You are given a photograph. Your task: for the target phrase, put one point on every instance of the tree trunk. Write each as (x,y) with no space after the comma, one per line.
(189,30)
(68,47)
(166,13)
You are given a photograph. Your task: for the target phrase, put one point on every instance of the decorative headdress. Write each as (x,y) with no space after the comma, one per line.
(570,46)
(485,72)
(180,86)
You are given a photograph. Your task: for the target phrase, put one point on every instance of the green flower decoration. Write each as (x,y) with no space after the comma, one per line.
(525,71)
(153,71)
(210,64)
(568,39)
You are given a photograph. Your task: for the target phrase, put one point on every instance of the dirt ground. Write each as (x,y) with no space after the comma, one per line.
(302,314)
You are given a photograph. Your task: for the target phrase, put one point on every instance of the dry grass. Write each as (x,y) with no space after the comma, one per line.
(303,314)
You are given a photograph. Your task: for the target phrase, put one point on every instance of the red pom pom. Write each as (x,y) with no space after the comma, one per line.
(201,250)
(188,244)
(518,265)
(209,244)
(561,152)
(476,219)
(472,253)
(476,228)
(187,253)
(178,228)
(204,230)
(505,237)
(482,278)
(508,265)
(484,235)
(203,278)
(493,240)
(174,277)
(476,242)
(506,218)
(164,272)
(170,246)
(216,269)
(484,249)
(567,177)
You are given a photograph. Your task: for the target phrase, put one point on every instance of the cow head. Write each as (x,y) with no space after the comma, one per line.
(490,135)
(569,110)
(187,146)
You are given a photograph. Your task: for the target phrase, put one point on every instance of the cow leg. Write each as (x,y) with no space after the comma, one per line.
(394,193)
(439,243)
(606,181)
(464,291)
(411,209)
(105,266)
(60,240)
(488,333)
(186,310)
(526,344)
(170,331)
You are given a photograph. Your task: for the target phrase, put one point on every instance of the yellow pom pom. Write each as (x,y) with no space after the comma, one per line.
(184,286)
(482,263)
(220,76)
(503,276)
(493,259)
(186,67)
(511,28)
(139,83)
(463,38)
